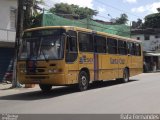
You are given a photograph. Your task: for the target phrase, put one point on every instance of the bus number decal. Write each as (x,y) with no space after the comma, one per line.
(117,61)
(84,59)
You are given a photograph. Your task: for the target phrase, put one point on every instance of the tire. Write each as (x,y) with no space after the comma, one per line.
(83,81)
(125,78)
(45,87)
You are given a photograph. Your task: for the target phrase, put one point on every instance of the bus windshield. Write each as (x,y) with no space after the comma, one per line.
(42,45)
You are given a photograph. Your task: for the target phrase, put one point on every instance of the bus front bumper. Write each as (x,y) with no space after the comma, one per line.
(55,79)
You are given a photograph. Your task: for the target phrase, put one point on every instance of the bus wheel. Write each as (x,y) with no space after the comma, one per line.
(83,81)
(125,76)
(45,87)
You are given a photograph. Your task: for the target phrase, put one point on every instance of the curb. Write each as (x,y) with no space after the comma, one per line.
(5,86)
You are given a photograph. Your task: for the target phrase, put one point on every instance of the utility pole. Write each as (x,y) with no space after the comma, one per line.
(28,14)
(19,30)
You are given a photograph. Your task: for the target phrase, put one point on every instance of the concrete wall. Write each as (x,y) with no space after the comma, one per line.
(149,45)
(7,34)
(5,6)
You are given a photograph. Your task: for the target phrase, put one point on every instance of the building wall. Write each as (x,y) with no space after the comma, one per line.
(7,34)
(153,44)
(5,7)
(7,27)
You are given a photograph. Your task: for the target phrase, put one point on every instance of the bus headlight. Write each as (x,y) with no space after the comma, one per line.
(54,70)
(51,71)
(23,71)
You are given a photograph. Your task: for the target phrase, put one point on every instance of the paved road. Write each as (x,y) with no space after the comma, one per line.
(140,95)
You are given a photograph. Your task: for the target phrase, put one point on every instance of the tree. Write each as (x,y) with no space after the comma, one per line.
(31,12)
(72,11)
(137,24)
(158,9)
(152,20)
(122,19)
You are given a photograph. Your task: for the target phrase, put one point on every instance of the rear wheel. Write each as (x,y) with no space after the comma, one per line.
(125,76)
(83,81)
(45,87)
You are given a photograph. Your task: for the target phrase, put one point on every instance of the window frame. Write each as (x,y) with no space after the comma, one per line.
(13,18)
(138,49)
(104,45)
(122,47)
(71,56)
(146,36)
(91,40)
(113,47)
(138,38)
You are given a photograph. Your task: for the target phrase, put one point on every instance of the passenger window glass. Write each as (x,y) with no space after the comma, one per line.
(71,47)
(85,42)
(122,47)
(100,44)
(112,45)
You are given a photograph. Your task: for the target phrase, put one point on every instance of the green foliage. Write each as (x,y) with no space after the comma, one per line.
(32,13)
(158,9)
(152,21)
(72,11)
(137,24)
(122,19)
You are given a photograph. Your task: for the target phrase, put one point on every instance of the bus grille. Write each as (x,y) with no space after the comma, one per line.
(37,77)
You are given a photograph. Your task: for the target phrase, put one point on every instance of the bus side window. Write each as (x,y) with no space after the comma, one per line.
(85,42)
(100,44)
(122,47)
(138,49)
(132,48)
(112,45)
(71,47)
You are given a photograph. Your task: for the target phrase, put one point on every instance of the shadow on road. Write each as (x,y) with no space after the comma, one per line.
(56,92)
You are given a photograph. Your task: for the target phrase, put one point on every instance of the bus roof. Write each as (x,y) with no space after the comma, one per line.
(83,30)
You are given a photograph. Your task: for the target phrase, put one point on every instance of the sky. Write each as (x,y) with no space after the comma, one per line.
(113,8)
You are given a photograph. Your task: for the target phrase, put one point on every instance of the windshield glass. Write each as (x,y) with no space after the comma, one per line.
(42,45)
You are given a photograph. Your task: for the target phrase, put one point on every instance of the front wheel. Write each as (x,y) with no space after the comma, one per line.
(45,87)
(83,81)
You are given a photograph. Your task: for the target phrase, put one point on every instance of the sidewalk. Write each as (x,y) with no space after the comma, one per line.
(6,89)
(5,86)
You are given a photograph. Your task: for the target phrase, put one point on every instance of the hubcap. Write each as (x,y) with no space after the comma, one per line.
(84,80)
(126,77)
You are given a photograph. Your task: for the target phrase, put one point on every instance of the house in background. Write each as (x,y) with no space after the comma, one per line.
(8,10)
(151,46)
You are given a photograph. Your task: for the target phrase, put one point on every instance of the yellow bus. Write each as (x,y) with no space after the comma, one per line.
(66,55)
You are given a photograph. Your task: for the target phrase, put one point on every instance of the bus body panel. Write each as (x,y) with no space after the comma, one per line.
(86,61)
(101,66)
(51,72)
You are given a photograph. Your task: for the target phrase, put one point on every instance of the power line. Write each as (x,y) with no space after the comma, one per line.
(103,3)
(103,14)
